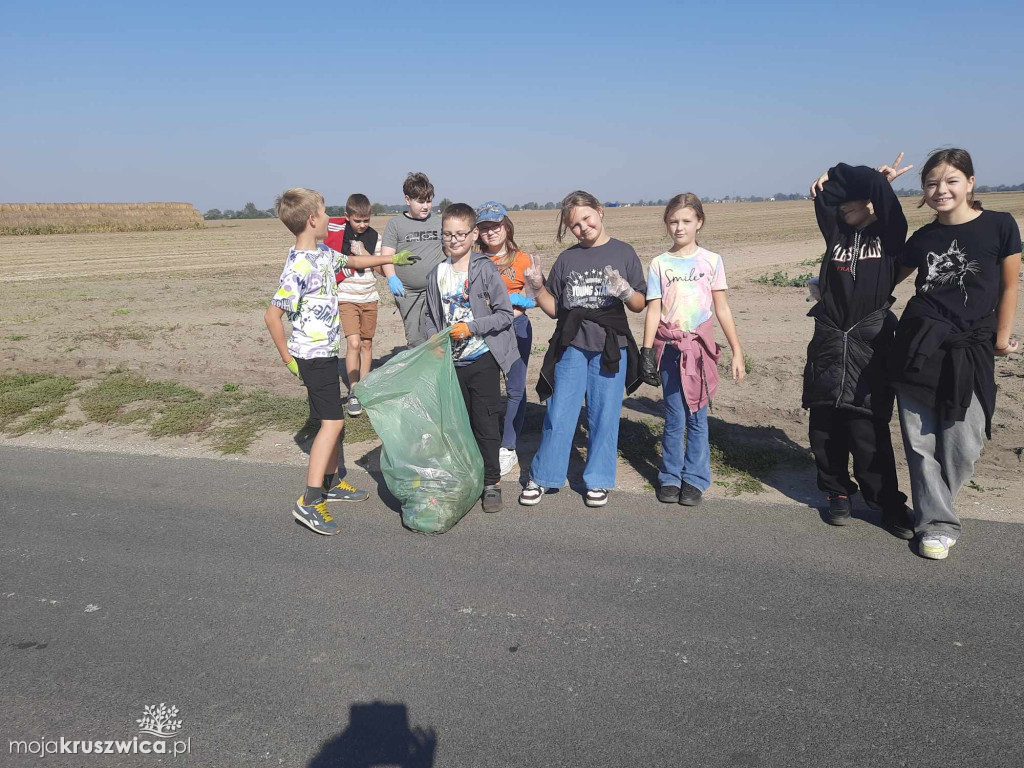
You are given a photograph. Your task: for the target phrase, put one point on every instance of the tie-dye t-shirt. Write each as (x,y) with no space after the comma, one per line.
(684,285)
(309,297)
(454,287)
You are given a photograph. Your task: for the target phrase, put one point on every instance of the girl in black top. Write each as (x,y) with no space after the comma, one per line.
(845,384)
(942,360)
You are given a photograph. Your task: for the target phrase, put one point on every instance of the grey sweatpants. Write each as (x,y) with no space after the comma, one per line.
(941,456)
(413,309)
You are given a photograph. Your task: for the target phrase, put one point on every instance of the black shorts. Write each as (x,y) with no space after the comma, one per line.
(320,375)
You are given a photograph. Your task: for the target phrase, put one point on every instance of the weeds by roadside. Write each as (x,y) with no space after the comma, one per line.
(783,279)
(231,419)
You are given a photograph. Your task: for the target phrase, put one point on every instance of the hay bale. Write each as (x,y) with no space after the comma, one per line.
(57,218)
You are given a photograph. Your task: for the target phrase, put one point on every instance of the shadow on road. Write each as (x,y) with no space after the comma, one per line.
(378,734)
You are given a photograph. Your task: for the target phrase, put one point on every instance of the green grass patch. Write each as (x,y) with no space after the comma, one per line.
(745,461)
(183,418)
(17,337)
(39,420)
(121,311)
(21,395)
(784,280)
(107,400)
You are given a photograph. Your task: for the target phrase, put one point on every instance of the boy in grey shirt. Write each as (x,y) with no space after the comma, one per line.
(417,231)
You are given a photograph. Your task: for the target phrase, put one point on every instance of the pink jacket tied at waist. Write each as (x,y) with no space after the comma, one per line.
(698,361)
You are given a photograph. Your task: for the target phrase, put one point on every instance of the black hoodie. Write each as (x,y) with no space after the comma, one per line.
(851,289)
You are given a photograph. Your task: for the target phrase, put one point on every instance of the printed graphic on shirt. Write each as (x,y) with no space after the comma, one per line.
(685,284)
(419,237)
(454,288)
(842,254)
(308,295)
(949,268)
(586,289)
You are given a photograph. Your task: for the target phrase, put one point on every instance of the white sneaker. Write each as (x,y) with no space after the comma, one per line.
(935,546)
(506,460)
(531,495)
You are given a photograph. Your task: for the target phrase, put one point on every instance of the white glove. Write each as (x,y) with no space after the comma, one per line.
(616,285)
(813,291)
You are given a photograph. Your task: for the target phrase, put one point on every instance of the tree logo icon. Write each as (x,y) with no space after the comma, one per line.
(160,720)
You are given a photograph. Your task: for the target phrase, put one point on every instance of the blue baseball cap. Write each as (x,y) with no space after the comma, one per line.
(492,210)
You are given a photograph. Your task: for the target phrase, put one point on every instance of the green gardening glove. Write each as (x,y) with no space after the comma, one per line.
(404,258)
(293,366)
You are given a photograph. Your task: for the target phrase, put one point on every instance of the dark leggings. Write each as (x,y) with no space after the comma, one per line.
(515,384)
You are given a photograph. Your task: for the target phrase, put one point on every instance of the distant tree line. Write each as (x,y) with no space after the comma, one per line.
(250,211)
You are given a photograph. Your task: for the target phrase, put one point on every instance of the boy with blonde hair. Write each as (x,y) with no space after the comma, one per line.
(308,295)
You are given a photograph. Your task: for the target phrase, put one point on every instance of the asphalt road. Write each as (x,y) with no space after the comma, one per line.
(740,634)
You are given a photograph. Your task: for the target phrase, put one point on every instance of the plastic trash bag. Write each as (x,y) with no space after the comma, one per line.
(430,459)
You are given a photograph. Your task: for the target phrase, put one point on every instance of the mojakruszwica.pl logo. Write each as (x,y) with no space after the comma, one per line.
(158,721)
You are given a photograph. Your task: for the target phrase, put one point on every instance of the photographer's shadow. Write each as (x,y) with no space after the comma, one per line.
(378,734)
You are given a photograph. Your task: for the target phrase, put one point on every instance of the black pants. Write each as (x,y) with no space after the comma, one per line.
(480,382)
(835,434)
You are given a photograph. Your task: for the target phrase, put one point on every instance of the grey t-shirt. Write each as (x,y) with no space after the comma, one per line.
(422,237)
(576,279)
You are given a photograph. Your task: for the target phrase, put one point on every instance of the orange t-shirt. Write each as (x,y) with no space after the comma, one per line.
(513,273)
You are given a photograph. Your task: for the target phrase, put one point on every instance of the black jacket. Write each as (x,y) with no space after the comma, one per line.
(944,362)
(613,320)
(859,269)
(846,368)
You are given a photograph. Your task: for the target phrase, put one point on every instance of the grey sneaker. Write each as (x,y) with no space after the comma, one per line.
(343,491)
(491,498)
(596,497)
(353,407)
(315,517)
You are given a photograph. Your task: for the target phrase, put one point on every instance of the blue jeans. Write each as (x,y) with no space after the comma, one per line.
(579,373)
(685,450)
(515,384)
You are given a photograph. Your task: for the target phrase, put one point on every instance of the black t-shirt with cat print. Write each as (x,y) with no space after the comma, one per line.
(958,265)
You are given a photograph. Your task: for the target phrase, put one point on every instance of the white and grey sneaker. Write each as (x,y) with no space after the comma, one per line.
(315,517)
(531,494)
(353,407)
(507,460)
(935,546)
(596,497)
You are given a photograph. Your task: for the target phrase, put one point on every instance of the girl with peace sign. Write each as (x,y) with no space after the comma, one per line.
(845,385)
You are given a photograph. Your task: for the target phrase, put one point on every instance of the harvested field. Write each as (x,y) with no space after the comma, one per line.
(74,218)
(187,307)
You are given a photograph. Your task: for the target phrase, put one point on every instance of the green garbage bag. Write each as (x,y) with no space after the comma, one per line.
(430,459)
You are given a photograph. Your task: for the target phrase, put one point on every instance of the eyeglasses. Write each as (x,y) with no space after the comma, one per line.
(455,237)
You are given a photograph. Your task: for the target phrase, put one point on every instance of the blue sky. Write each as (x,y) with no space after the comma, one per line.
(222,103)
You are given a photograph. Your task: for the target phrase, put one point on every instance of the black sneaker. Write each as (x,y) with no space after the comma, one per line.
(839,510)
(689,496)
(668,494)
(899,524)
(492,498)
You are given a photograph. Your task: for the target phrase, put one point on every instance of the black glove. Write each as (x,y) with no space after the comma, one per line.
(649,368)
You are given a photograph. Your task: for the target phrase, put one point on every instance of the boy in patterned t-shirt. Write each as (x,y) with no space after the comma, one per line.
(308,294)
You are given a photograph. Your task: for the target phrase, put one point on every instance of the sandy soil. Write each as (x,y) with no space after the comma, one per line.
(188,306)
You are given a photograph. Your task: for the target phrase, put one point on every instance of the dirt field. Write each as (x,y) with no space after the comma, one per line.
(187,306)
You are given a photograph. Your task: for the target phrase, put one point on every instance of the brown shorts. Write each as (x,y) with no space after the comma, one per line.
(358,319)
